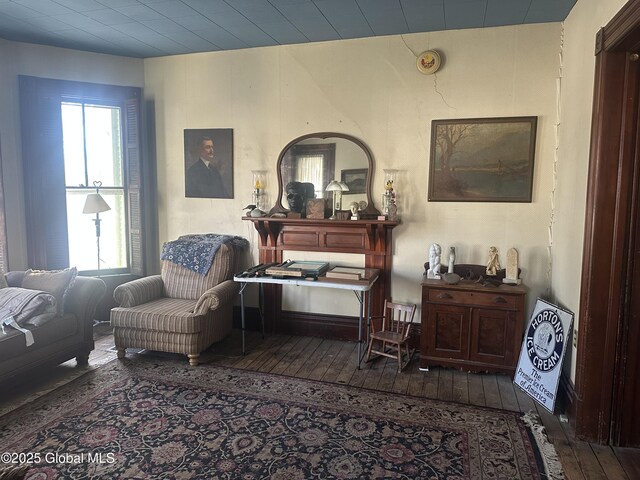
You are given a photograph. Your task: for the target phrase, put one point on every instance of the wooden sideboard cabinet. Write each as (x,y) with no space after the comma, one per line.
(471,327)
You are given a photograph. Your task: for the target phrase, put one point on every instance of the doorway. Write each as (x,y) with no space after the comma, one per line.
(608,361)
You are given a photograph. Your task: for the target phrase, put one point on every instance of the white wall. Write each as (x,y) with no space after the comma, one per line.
(580,28)
(40,61)
(369,88)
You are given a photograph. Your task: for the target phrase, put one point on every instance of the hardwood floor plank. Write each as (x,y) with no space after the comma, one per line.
(358,376)
(507,393)
(229,351)
(375,372)
(341,360)
(610,463)
(630,460)
(551,424)
(445,384)
(460,390)
(589,464)
(570,464)
(292,355)
(329,356)
(563,447)
(476,390)
(313,359)
(416,380)
(254,355)
(270,350)
(491,392)
(279,354)
(388,376)
(401,382)
(298,363)
(525,402)
(430,384)
(349,368)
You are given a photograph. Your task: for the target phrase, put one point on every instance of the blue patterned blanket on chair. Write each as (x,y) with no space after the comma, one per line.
(196,252)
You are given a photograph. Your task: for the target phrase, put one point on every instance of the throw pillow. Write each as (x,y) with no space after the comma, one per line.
(55,282)
(3,280)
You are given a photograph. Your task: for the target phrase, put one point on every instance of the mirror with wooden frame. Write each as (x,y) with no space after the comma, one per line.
(319,158)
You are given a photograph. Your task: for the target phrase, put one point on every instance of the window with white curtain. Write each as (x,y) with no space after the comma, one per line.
(309,168)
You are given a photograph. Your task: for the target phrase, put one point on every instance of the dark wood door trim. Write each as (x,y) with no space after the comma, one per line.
(611,163)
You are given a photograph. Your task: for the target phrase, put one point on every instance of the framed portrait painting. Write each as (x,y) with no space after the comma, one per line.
(208,162)
(482,159)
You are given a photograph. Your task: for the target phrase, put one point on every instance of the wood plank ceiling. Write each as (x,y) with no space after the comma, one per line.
(151,28)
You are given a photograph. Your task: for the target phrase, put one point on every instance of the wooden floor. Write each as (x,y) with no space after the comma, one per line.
(335,361)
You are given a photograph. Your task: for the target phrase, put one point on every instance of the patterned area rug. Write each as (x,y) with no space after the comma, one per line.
(143,419)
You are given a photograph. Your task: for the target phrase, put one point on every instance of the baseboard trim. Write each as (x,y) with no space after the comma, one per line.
(337,327)
(567,397)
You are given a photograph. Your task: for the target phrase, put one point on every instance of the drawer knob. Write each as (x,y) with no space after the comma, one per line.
(499,300)
(444,295)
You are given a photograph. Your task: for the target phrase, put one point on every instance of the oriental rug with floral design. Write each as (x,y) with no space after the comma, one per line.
(148,419)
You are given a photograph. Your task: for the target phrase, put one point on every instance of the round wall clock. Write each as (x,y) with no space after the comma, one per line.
(428,62)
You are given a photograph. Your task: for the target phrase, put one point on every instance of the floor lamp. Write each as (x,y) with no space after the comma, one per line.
(96,204)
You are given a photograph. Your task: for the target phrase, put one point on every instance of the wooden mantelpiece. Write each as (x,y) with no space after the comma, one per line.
(371,238)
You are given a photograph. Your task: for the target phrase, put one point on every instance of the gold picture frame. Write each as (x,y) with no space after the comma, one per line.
(482,159)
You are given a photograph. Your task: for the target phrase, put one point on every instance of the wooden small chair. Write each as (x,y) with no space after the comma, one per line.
(394,332)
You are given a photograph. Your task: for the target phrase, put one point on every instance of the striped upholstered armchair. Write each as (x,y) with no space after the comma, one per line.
(179,311)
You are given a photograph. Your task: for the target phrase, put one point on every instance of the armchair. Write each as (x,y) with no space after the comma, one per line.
(179,311)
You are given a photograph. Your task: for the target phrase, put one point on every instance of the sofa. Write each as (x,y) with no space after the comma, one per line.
(57,337)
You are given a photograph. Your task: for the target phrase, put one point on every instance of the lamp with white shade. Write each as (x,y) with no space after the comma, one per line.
(337,188)
(94,203)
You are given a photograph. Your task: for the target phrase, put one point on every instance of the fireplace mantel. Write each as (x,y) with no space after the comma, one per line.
(371,238)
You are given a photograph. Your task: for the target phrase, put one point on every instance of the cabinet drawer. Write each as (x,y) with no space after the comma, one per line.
(495,300)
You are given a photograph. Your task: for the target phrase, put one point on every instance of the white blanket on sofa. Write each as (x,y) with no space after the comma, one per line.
(18,305)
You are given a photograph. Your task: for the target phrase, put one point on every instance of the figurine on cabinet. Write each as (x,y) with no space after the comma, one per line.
(434,261)
(452,259)
(493,262)
(512,268)
(354,207)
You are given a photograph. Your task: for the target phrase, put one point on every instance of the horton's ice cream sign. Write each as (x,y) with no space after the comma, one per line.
(543,348)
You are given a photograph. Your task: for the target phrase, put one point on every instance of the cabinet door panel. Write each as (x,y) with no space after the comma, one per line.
(492,337)
(447,332)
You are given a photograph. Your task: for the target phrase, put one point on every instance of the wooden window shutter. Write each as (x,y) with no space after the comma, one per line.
(43,172)
(134,184)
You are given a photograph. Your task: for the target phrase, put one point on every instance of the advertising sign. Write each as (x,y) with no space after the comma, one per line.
(542,353)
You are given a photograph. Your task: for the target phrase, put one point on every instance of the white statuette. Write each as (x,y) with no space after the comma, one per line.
(512,267)
(452,259)
(434,261)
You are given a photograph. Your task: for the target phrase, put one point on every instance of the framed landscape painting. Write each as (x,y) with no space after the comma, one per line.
(482,159)
(355,178)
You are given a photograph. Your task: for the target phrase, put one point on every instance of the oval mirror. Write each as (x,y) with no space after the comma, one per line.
(319,158)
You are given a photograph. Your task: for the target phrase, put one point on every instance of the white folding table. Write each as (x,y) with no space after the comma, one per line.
(361,289)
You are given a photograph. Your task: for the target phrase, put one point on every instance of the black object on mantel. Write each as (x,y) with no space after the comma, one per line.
(476,273)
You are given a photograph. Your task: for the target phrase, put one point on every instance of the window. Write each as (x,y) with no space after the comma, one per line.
(92,145)
(90,133)
(313,163)
(309,169)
